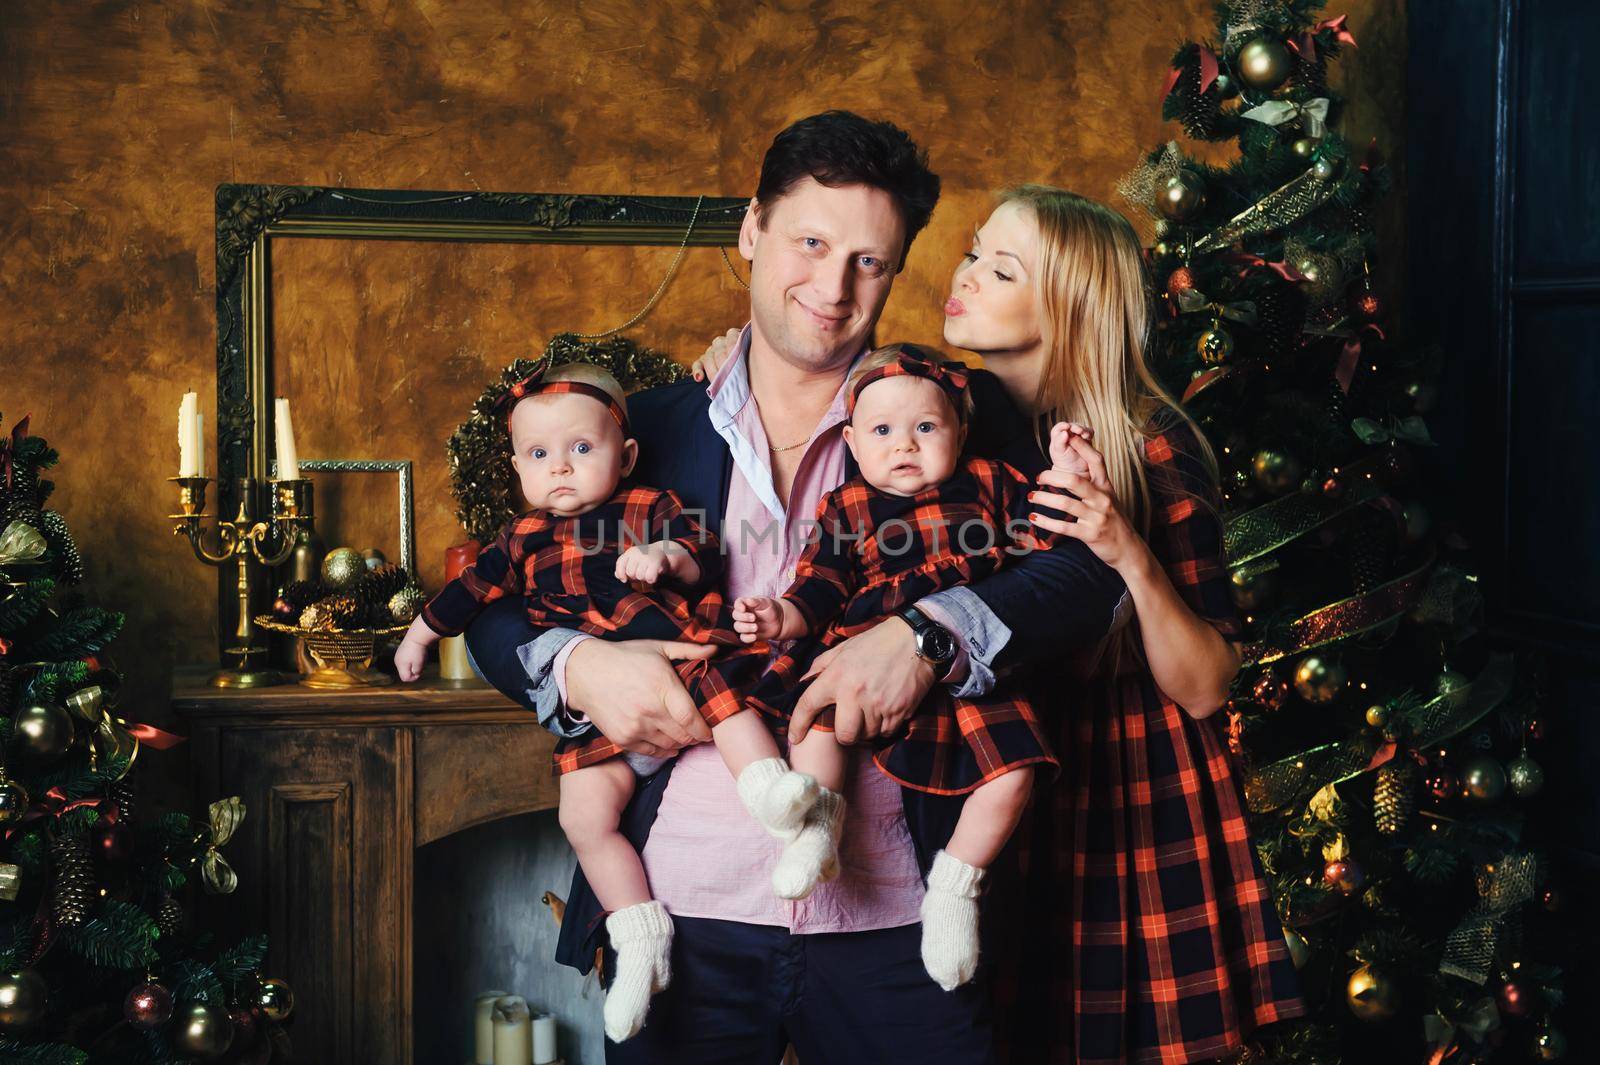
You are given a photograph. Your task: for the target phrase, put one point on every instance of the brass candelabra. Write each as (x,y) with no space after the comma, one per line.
(242,541)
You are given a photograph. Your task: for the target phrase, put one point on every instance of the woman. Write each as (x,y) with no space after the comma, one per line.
(1144,906)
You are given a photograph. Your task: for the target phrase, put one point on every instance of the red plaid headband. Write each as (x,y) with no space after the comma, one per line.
(535,385)
(914,362)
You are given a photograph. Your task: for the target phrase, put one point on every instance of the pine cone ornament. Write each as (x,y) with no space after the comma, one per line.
(121,793)
(374,589)
(316,617)
(1371,549)
(406,604)
(1311,74)
(1197,111)
(169,918)
(1393,798)
(345,610)
(1280,317)
(73,879)
(62,546)
(302,594)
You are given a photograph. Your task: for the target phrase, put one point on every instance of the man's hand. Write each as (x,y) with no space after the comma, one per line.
(631,693)
(874,680)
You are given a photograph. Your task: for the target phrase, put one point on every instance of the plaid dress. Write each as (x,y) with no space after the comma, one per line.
(565,570)
(1146,932)
(875,554)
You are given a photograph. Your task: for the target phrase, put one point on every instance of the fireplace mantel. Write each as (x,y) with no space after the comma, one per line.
(341,788)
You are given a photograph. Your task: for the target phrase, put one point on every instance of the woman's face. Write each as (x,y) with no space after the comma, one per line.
(993,307)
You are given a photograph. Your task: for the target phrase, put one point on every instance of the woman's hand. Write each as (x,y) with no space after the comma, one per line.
(874,680)
(707,365)
(1088,497)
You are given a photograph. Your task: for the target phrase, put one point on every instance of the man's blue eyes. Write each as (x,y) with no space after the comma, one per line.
(867,261)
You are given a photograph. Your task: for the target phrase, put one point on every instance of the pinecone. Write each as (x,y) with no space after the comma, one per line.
(405,605)
(316,617)
(1371,548)
(73,879)
(121,793)
(1311,75)
(374,588)
(1197,111)
(169,918)
(1393,798)
(65,549)
(302,594)
(1280,316)
(345,610)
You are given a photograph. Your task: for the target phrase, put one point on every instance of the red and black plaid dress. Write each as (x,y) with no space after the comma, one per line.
(565,570)
(1147,933)
(876,553)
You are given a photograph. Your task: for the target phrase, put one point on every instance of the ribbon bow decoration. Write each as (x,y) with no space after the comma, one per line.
(114,742)
(216,874)
(535,384)
(911,361)
(1502,887)
(8,449)
(21,542)
(525,387)
(1313,114)
(1305,45)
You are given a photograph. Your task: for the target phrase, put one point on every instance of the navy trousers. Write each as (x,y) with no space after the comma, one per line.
(740,993)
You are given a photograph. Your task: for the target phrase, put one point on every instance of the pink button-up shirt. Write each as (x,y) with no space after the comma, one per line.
(706,856)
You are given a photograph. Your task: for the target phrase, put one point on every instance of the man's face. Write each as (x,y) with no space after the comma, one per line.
(904,435)
(568,452)
(822,261)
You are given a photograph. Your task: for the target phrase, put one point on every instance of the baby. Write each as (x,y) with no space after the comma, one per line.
(917,519)
(579,558)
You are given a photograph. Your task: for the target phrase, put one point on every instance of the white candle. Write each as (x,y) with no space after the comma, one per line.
(288,459)
(513,1032)
(188,410)
(544,1039)
(199,444)
(483,1027)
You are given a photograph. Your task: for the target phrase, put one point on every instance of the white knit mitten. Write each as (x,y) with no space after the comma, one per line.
(641,935)
(950,921)
(813,853)
(777,796)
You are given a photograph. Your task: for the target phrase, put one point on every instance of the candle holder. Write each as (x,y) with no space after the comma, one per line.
(239,541)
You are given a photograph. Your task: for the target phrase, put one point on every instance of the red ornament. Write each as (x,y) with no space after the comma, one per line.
(1333,486)
(1444,784)
(1551,900)
(1369,306)
(1179,282)
(244,1029)
(1270,690)
(147,1006)
(1514,1000)
(1536,728)
(112,841)
(1346,876)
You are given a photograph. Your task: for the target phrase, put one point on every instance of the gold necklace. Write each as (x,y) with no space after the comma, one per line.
(787,447)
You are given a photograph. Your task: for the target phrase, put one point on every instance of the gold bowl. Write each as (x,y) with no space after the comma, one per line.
(343,657)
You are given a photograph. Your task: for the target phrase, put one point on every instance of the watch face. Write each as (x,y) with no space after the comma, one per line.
(939,644)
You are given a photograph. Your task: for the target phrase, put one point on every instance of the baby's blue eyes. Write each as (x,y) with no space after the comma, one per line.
(581,447)
(538,452)
(922,427)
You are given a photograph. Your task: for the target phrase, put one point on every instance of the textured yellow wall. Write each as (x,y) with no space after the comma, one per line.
(118,120)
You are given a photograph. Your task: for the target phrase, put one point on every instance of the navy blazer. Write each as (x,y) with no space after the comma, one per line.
(1049,600)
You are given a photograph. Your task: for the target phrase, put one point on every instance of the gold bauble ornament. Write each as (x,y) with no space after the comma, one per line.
(1324,278)
(405,604)
(201,1030)
(1319,679)
(342,567)
(1372,995)
(1264,63)
(24,999)
(1483,779)
(1215,345)
(1276,471)
(1525,776)
(275,1000)
(1550,1045)
(13,799)
(1164,249)
(44,733)
(1227,88)
(1251,588)
(1377,715)
(1325,169)
(1181,196)
(1304,147)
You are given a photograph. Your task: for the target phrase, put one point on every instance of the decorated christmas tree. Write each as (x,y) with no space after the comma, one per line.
(1390,749)
(98,963)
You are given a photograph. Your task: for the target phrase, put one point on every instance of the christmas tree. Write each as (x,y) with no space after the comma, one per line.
(1388,748)
(97,964)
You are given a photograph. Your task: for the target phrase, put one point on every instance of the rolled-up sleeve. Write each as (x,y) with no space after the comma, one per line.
(976,629)
(518,660)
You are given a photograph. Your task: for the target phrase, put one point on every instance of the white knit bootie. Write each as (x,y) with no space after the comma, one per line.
(641,935)
(777,796)
(950,921)
(813,853)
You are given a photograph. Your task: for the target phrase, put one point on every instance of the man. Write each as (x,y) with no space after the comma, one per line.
(839,974)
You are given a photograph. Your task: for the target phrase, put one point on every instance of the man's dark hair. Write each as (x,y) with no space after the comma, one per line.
(841,148)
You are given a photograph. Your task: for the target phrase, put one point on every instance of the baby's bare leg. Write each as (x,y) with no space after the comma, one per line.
(743,738)
(822,755)
(592,800)
(989,816)
(950,908)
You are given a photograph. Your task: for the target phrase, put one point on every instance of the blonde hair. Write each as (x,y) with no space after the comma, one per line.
(883,356)
(1096,310)
(590,374)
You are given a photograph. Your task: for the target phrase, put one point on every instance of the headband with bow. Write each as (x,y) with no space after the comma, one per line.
(535,385)
(914,362)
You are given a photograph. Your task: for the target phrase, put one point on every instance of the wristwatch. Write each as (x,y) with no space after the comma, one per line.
(935,645)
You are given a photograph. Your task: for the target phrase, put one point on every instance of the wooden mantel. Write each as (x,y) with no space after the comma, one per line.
(340,788)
